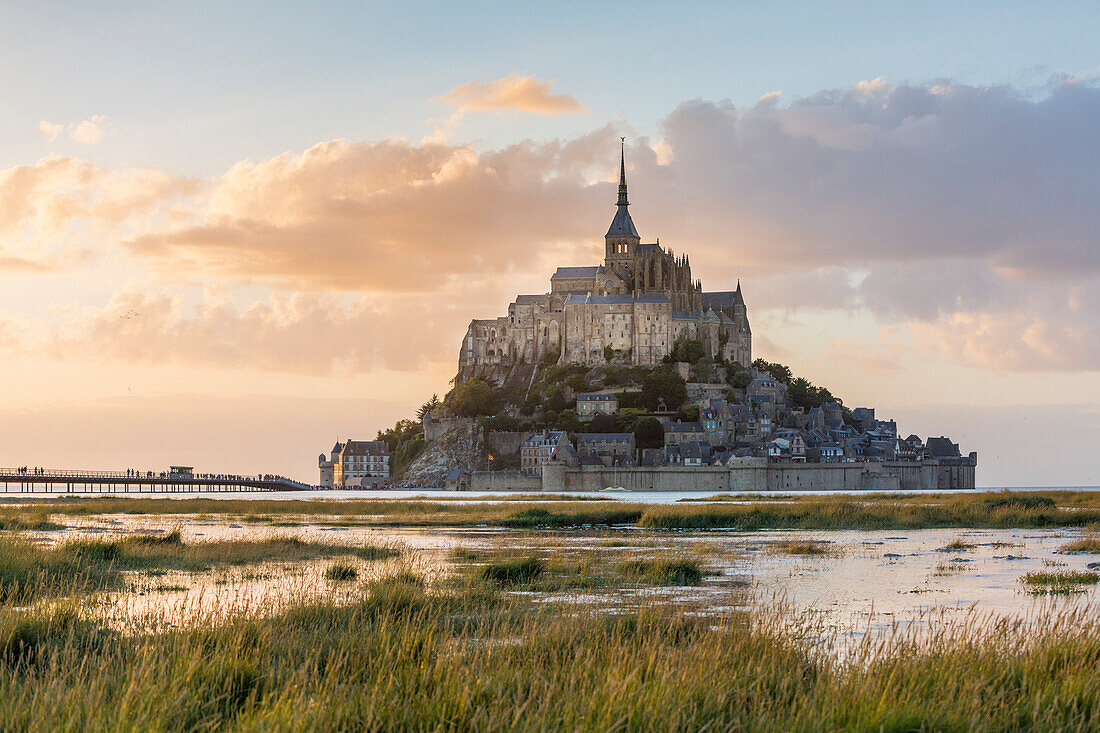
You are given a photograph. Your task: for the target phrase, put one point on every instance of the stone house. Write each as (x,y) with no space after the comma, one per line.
(538,448)
(610,448)
(590,405)
(678,432)
(355,463)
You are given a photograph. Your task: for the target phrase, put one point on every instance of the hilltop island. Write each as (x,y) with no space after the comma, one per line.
(628,375)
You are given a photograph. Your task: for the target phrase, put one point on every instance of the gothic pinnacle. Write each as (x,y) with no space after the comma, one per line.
(622,174)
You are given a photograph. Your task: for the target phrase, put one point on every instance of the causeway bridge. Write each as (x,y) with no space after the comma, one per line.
(30,479)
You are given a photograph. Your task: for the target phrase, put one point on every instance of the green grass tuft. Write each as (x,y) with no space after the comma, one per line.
(1059,583)
(660,571)
(341,572)
(805,547)
(513,571)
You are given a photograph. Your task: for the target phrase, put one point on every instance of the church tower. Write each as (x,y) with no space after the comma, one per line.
(622,238)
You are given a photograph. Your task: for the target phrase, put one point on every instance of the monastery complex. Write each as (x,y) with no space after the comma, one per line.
(633,307)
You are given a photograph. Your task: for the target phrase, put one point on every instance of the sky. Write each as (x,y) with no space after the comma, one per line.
(233,233)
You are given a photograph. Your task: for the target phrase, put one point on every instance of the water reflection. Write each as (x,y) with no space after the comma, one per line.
(864,582)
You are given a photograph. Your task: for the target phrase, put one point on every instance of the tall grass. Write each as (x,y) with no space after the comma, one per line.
(29,570)
(662,571)
(848,511)
(406,657)
(805,547)
(1066,582)
(1089,544)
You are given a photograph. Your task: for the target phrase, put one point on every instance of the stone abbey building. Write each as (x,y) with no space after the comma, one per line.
(634,307)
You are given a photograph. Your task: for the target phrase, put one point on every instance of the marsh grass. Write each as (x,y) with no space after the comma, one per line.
(1059,583)
(1089,544)
(875,511)
(341,572)
(805,547)
(29,571)
(32,522)
(957,546)
(945,569)
(549,571)
(513,571)
(885,512)
(407,655)
(662,571)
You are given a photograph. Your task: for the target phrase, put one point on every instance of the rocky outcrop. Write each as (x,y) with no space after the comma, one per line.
(461,447)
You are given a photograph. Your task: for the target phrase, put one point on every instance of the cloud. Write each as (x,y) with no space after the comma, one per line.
(86,132)
(512,93)
(884,357)
(968,214)
(391,216)
(62,210)
(297,333)
(50,130)
(89,132)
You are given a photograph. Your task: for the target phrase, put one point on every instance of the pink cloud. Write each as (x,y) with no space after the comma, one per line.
(511,93)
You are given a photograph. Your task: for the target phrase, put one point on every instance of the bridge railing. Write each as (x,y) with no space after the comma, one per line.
(32,473)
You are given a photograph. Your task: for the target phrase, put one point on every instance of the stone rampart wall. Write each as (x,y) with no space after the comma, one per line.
(505,443)
(434,429)
(757,474)
(504,481)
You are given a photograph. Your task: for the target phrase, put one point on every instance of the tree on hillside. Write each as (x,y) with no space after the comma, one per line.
(604,424)
(805,394)
(427,407)
(663,388)
(704,370)
(474,398)
(649,433)
(688,413)
(689,350)
(738,376)
(780,372)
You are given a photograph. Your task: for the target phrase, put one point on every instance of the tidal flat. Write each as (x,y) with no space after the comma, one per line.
(249,617)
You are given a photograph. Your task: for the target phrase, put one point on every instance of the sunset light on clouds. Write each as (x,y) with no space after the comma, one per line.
(910,239)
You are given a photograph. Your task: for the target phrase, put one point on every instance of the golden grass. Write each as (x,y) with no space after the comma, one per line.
(1019,509)
(29,570)
(406,656)
(1089,544)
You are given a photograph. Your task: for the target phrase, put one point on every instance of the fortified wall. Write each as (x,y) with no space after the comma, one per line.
(758,474)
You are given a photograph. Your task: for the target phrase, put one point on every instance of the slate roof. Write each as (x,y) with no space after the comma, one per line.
(941,447)
(535,440)
(622,225)
(723,299)
(599,437)
(616,299)
(645,248)
(530,299)
(572,273)
(683,427)
(596,398)
(364,448)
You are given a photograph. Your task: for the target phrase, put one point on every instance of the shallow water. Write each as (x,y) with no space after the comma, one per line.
(444,495)
(868,582)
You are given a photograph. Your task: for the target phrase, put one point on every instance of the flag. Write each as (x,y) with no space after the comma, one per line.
(491,457)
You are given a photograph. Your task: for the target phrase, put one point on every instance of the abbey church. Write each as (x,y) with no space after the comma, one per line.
(632,308)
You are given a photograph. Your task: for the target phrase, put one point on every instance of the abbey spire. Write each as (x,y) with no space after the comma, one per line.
(622,225)
(622,173)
